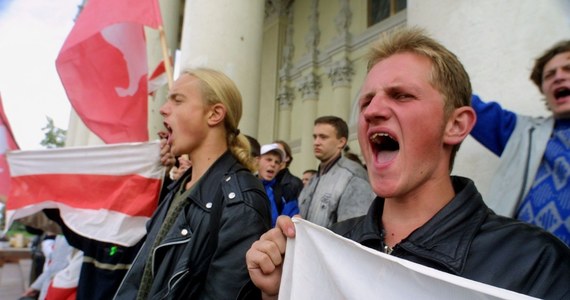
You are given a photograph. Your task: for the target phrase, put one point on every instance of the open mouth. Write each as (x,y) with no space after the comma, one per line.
(385,146)
(169,129)
(561,93)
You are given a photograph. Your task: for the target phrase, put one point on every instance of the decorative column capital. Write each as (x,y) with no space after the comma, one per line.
(285,98)
(309,86)
(340,73)
(276,7)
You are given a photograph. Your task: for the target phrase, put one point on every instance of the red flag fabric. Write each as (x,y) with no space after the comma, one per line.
(63,286)
(158,78)
(7,143)
(103,67)
(105,193)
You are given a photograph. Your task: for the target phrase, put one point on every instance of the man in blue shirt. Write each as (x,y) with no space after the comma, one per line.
(269,162)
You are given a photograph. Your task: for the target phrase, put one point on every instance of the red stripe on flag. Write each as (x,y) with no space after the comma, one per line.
(133,195)
(55,293)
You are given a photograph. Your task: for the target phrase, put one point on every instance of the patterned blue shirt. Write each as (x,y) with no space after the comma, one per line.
(548,202)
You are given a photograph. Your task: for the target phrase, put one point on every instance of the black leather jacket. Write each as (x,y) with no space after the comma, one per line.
(467,239)
(290,184)
(183,268)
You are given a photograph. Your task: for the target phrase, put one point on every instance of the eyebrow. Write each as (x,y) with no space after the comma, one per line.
(551,70)
(173,95)
(412,88)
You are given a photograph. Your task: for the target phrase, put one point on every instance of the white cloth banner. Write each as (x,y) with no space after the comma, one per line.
(322,265)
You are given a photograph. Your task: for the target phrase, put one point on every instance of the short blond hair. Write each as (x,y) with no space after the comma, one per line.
(448,75)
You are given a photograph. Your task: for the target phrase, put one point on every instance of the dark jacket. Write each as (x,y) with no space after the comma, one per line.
(104,264)
(289,185)
(183,265)
(467,239)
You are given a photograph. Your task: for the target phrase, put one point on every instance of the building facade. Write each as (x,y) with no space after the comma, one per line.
(296,60)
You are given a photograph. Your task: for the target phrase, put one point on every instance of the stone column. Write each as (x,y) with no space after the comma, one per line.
(285,99)
(227,35)
(285,94)
(340,75)
(309,89)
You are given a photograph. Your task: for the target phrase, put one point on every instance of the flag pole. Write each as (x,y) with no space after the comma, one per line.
(167,60)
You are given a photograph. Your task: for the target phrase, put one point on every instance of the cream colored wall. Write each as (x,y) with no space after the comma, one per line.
(497,42)
(301,24)
(269,107)
(329,53)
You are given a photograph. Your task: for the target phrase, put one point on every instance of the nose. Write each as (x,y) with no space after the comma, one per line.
(378,108)
(316,141)
(560,74)
(165,109)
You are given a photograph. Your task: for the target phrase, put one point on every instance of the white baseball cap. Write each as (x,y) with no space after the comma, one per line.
(272,148)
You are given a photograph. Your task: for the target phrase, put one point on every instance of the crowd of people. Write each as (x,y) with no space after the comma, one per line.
(224,218)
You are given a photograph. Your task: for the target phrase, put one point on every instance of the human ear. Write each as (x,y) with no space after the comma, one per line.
(459,125)
(217,114)
(343,142)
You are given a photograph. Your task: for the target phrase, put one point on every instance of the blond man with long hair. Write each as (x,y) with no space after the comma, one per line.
(199,234)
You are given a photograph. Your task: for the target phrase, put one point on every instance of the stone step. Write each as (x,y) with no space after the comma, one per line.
(14,278)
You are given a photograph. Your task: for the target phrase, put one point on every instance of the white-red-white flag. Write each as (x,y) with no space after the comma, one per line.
(158,78)
(105,193)
(63,286)
(103,67)
(7,143)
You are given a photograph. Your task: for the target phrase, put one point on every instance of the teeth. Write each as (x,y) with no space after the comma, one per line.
(377,137)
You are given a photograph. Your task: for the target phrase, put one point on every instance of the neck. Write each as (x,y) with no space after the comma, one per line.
(403,215)
(203,158)
(323,166)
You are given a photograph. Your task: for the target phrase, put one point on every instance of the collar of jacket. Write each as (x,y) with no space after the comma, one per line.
(210,182)
(326,168)
(446,238)
(282,174)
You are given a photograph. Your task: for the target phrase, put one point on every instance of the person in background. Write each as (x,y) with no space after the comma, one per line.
(254,150)
(534,151)
(353,156)
(57,258)
(255,146)
(198,236)
(270,160)
(340,189)
(307,175)
(290,185)
(414,113)
(45,231)
(182,165)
